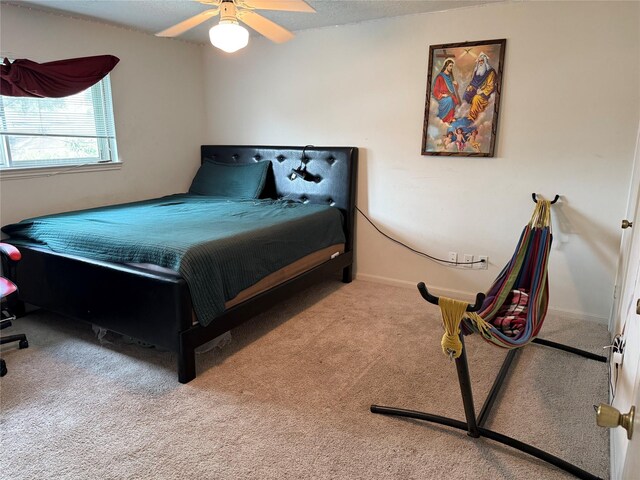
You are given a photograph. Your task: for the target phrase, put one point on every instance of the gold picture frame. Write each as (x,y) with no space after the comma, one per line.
(462,106)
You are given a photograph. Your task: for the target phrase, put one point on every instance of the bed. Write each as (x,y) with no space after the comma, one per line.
(190,293)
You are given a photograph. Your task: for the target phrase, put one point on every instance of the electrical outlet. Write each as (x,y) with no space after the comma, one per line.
(453,257)
(468,261)
(485,262)
(617,353)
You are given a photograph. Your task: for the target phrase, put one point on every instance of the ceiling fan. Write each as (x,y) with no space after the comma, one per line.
(228,34)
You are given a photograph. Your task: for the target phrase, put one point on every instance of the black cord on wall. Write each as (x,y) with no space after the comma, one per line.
(417,252)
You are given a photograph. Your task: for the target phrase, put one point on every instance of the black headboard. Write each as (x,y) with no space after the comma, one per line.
(333,171)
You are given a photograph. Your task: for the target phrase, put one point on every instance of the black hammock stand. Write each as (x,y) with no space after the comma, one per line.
(474,424)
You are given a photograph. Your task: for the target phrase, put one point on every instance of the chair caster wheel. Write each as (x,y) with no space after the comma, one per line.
(23,344)
(3,368)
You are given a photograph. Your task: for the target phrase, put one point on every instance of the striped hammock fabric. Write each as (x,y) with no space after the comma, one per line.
(516,304)
(524,275)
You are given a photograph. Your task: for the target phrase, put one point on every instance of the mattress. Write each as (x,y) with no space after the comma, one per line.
(274,279)
(220,246)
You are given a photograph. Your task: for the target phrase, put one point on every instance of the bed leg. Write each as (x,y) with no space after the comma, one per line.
(347,274)
(186,364)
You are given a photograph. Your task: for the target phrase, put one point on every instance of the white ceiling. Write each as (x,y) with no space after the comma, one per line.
(152,16)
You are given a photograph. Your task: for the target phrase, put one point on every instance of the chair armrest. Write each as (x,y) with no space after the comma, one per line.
(10,251)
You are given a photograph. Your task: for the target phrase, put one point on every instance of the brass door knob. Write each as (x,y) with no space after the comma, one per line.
(626,224)
(607,416)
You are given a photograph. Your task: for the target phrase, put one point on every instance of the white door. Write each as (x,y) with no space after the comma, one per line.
(628,392)
(625,454)
(631,468)
(624,260)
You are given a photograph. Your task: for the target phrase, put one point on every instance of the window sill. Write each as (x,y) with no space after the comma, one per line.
(32,172)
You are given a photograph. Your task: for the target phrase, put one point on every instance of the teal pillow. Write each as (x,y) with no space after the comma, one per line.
(234,180)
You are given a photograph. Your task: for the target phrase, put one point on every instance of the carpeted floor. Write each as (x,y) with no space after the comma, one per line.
(289,398)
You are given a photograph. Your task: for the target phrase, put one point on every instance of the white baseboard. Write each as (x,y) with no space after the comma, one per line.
(470,297)
(385,280)
(571,314)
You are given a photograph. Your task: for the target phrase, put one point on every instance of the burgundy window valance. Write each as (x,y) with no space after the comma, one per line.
(25,78)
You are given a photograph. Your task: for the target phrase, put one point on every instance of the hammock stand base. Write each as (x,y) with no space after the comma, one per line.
(475,424)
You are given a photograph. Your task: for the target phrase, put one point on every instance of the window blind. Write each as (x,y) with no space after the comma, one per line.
(71,130)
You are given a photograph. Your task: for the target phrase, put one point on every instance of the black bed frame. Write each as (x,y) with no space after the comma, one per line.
(156,307)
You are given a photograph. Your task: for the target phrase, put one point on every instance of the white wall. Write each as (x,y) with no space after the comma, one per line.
(157,95)
(567,125)
(569,115)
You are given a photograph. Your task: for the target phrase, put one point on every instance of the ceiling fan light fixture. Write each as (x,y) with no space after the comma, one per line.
(229,36)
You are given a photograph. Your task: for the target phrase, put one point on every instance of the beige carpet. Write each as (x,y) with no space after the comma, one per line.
(289,398)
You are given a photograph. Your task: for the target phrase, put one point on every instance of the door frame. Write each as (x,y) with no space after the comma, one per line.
(626,280)
(615,319)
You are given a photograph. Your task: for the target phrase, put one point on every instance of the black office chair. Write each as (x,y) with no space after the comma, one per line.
(7,287)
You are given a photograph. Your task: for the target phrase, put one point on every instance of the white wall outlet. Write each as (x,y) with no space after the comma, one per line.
(485,264)
(453,257)
(468,261)
(617,353)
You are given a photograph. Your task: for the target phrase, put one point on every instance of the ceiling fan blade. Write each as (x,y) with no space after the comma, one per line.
(188,23)
(264,26)
(285,5)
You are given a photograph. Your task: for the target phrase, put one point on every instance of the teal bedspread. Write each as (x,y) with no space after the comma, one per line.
(219,246)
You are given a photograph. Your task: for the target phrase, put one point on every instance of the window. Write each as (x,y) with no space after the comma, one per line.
(72,131)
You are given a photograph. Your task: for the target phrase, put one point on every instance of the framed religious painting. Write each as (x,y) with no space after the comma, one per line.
(462,105)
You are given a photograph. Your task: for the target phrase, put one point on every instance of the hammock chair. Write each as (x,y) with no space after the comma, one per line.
(515,306)
(510,315)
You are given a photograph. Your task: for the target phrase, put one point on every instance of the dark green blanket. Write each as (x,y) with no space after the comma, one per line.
(219,246)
